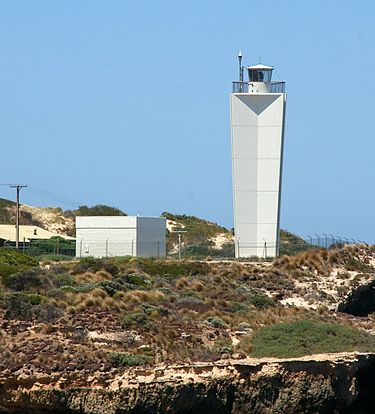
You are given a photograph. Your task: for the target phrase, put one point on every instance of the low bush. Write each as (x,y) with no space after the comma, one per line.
(130,360)
(136,280)
(64,280)
(244,326)
(223,346)
(235,307)
(134,320)
(90,264)
(35,299)
(300,338)
(152,310)
(18,306)
(112,286)
(28,280)
(216,322)
(12,261)
(46,312)
(29,307)
(357,266)
(260,301)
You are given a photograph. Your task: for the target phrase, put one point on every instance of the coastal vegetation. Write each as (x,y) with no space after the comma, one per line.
(296,339)
(92,314)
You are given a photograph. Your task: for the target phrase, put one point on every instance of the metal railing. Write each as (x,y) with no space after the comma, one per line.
(272,87)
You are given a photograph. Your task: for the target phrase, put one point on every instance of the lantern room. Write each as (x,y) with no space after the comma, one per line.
(260,73)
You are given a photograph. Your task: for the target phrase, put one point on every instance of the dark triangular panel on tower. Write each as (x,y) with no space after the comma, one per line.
(260,104)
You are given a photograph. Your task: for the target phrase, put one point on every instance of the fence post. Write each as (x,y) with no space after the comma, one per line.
(132,247)
(80,248)
(158,243)
(106,248)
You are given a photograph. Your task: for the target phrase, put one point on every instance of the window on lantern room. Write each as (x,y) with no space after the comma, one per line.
(260,75)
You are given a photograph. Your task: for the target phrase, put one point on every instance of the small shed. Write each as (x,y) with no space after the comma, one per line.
(109,236)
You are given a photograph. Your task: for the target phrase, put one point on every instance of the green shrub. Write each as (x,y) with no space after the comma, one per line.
(149,309)
(28,307)
(357,266)
(46,312)
(244,326)
(12,261)
(216,322)
(300,338)
(112,286)
(223,346)
(237,307)
(28,280)
(191,294)
(83,288)
(137,280)
(134,320)
(35,299)
(64,280)
(90,264)
(260,301)
(130,360)
(18,306)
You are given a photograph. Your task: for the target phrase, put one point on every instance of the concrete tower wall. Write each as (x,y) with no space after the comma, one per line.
(257,121)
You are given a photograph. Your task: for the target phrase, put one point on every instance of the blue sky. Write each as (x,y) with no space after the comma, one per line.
(126,103)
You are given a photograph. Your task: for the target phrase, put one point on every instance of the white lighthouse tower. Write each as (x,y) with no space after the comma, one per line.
(257,107)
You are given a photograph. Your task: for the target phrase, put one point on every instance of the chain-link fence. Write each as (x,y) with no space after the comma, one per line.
(83,248)
(109,248)
(51,247)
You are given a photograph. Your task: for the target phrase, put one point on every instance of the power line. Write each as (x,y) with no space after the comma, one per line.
(49,195)
(54,197)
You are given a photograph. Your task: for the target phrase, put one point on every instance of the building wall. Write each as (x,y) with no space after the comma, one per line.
(257,146)
(151,236)
(108,236)
(102,236)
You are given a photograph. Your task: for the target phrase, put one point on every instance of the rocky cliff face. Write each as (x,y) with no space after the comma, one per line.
(340,383)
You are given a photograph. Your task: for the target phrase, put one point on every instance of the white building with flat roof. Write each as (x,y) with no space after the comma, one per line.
(257,109)
(109,236)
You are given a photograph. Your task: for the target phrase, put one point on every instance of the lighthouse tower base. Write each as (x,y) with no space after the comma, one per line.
(257,129)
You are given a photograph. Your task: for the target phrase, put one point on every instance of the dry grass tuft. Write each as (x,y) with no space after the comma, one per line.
(99,293)
(182,283)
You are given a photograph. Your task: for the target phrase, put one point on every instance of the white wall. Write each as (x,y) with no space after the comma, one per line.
(257,145)
(108,236)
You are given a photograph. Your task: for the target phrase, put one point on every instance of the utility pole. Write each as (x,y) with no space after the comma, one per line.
(179,233)
(18,188)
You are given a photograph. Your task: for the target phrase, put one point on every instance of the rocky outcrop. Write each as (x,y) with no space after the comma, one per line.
(361,301)
(337,383)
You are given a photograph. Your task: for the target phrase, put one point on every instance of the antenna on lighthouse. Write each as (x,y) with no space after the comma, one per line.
(240,66)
